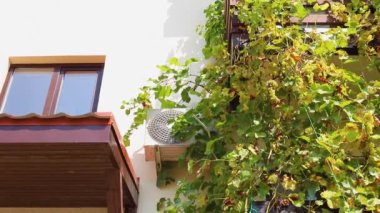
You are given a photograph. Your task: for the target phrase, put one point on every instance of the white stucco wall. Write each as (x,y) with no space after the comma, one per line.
(134,35)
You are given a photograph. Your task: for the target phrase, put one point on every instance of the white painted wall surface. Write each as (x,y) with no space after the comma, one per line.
(134,35)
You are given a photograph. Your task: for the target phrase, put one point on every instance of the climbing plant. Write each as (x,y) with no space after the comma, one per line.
(287,122)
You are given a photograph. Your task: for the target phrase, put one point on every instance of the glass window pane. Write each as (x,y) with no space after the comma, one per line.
(28,90)
(77,92)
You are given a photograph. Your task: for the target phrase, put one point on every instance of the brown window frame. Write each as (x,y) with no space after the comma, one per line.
(56,81)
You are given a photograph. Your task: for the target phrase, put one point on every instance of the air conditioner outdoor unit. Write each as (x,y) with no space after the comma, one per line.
(159,145)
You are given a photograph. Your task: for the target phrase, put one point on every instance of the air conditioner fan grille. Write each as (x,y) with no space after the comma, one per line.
(158,126)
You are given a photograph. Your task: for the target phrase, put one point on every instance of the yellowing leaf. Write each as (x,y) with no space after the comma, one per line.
(202,200)
(361,97)
(324,6)
(375,137)
(369,122)
(330,194)
(305,138)
(351,132)
(273,178)
(319,202)
(289,183)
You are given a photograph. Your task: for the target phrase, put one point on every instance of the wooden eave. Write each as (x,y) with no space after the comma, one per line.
(65,161)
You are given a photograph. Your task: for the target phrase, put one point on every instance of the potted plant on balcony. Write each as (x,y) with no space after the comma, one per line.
(288,119)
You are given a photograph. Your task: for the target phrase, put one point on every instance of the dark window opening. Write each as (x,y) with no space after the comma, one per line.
(50,89)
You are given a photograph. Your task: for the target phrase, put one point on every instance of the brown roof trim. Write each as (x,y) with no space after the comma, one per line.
(67,59)
(32,119)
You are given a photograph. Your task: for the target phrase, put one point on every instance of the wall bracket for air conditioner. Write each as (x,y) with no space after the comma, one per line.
(157,156)
(157,147)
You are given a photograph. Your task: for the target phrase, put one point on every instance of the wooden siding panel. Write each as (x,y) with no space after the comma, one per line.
(54,134)
(61,162)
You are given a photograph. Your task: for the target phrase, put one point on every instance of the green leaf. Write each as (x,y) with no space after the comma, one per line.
(344,103)
(185,95)
(352,77)
(355,3)
(352,136)
(190,61)
(323,89)
(348,61)
(351,132)
(301,11)
(163,92)
(210,146)
(322,7)
(260,134)
(305,138)
(165,69)
(174,61)
(263,190)
(325,48)
(374,171)
(167,104)
(245,174)
(207,52)
(126,140)
(190,166)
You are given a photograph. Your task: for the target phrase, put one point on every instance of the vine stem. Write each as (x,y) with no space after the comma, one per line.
(335,179)
(311,122)
(203,126)
(246,204)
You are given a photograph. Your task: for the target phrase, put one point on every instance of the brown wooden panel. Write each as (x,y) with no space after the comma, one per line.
(54,134)
(74,177)
(167,152)
(172,153)
(120,162)
(115,202)
(149,153)
(57,164)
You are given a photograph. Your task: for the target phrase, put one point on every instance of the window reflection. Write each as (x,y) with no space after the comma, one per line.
(28,90)
(77,92)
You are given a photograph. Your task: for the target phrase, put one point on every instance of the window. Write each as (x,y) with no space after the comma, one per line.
(49,89)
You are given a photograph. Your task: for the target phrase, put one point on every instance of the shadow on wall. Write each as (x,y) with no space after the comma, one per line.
(183,17)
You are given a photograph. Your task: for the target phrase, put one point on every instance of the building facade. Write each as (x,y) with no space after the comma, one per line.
(133,36)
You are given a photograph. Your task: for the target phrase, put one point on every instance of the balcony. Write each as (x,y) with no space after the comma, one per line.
(65,161)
